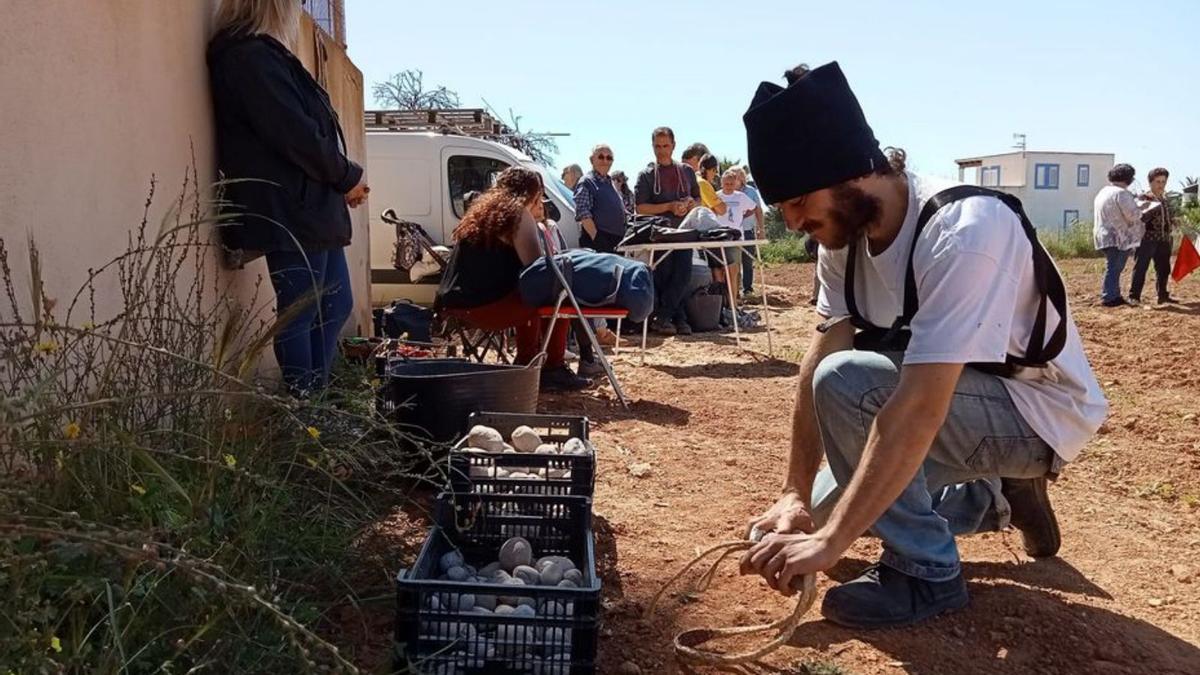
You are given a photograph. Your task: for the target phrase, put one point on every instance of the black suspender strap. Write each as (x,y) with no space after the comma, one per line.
(1047,280)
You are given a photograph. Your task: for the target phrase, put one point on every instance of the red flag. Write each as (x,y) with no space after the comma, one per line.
(1187,260)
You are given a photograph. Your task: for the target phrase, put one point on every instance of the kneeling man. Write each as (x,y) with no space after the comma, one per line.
(947,382)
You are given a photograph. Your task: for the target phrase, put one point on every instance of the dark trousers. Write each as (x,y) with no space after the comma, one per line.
(314,289)
(1158,252)
(603,242)
(671,279)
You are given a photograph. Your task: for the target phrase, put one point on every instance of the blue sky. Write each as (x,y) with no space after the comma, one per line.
(942,80)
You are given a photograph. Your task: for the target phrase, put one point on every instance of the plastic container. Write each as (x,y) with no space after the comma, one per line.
(435,396)
(564,474)
(435,635)
(704,310)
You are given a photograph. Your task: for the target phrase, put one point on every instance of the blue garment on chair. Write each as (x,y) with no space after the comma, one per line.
(596,280)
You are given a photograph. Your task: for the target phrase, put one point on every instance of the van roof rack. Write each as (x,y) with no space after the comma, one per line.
(475,122)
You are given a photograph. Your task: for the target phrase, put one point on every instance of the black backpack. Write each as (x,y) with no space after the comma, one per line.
(1038,353)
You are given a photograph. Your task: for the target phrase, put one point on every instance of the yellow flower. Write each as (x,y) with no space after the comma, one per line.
(230,461)
(71,431)
(137,489)
(46,346)
(88,325)
(314,432)
(56,644)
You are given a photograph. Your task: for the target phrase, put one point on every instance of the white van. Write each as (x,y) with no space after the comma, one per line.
(423,177)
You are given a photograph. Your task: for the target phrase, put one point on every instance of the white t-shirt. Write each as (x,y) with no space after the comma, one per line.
(738,204)
(976,303)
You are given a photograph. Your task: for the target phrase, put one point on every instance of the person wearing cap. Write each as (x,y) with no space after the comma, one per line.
(1117,231)
(940,436)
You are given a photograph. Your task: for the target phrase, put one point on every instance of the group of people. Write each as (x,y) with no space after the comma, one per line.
(943,395)
(688,194)
(1141,226)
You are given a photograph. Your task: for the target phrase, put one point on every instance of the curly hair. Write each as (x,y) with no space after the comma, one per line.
(494,215)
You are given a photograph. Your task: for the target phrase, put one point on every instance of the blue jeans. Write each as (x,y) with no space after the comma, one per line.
(1114,260)
(748,265)
(956,490)
(305,347)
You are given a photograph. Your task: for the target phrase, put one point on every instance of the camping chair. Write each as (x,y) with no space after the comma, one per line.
(476,342)
(558,311)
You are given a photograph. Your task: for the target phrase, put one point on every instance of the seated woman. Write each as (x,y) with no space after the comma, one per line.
(494,242)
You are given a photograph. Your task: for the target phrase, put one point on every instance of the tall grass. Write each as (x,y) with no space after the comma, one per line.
(161,509)
(1073,242)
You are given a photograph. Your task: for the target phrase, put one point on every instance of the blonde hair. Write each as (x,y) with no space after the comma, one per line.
(279,19)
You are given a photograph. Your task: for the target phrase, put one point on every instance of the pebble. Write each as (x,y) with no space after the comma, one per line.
(639,470)
(1155,602)
(629,668)
(1182,573)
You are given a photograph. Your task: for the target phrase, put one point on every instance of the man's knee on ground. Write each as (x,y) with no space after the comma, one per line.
(844,378)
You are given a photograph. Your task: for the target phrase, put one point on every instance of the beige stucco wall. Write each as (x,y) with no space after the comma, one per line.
(98,96)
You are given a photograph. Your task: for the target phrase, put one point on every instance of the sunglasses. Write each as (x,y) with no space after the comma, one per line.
(607,158)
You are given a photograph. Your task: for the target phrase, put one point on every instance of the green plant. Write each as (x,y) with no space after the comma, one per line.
(1073,242)
(161,509)
(786,250)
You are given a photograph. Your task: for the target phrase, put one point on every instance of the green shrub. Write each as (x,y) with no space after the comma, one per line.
(789,249)
(160,511)
(1074,242)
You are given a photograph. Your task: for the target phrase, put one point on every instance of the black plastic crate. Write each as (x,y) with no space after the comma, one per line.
(441,638)
(476,471)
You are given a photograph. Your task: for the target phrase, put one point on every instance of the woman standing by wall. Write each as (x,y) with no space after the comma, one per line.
(279,142)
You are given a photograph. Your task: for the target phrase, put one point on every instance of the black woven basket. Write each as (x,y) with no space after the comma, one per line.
(435,396)
(432,636)
(476,471)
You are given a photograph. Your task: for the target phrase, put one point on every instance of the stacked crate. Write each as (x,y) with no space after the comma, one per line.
(549,503)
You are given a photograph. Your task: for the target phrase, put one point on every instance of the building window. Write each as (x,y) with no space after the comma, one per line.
(1070,218)
(1083,175)
(989,176)
(330,15)
(1045,176)
(470,174)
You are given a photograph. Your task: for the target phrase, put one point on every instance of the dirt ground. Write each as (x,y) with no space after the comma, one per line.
(712,421)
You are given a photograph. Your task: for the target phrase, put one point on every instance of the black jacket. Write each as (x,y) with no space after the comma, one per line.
(276,126)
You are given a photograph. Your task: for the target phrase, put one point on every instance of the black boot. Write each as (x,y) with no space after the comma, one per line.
(1033,515)
(885,598)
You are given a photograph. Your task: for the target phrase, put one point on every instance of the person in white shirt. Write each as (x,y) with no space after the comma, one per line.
(1117,230)
(737,205)
(752,228)
(947,382)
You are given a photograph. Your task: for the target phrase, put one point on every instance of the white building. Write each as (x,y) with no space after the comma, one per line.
(1057,188)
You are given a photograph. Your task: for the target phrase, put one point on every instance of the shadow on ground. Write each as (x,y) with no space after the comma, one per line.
(766,367)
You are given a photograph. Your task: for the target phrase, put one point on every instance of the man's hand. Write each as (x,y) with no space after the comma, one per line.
(790,514)
(680,208)
(780,558)
(357,195)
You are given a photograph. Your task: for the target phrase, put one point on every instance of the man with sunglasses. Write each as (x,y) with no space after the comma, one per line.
(598,204)
(947,382)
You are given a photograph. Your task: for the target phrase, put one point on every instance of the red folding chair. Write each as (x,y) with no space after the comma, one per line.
(558,311)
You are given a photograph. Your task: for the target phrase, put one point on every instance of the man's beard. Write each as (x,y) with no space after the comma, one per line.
(852,213)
